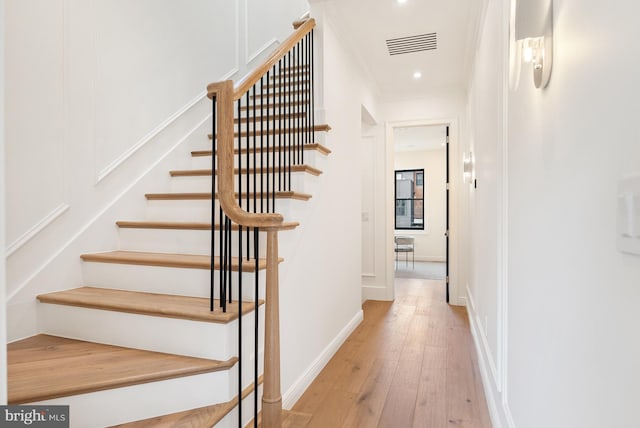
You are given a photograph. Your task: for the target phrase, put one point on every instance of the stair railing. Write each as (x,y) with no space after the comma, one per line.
(275,119)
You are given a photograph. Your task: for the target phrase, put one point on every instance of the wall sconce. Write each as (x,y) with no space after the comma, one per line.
(532,39)
(467,167)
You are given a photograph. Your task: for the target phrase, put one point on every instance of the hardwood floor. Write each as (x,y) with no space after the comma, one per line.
(411,363)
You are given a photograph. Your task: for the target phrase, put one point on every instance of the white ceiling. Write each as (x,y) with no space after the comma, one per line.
(367,24)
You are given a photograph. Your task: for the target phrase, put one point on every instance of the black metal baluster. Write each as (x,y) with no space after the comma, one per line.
(280,154)
(247,172)
(256,312)
(300,49)
(255,163)
(312,103)
(268,141)
(240,326)
(213,201)
(308,93)
(288,112)
(262,143)
(273,155)
(223,260)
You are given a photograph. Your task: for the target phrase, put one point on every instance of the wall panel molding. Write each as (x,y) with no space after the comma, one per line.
(36,228)
(150,136)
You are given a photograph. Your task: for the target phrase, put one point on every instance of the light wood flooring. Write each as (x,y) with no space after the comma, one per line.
(411,363)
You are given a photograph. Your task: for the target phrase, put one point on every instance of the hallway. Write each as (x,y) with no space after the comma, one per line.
(411,363)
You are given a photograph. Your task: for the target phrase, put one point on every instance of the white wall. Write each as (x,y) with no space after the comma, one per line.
(569,320)
(97,93)
(3,284)
(430,243)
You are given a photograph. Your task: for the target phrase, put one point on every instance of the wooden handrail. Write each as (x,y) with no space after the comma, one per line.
(252,78)
(223,91)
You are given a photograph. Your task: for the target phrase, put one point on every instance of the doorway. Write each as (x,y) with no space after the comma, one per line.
(421,202)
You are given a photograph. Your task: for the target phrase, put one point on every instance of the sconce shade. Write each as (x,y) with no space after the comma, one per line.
(533,18)
(534,33)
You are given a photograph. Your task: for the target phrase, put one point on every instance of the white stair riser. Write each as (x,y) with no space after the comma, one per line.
(203,183)
(163,280)
(131,403)
(182,241)
(200,210)
(231,419)
(310,157)
(161,334)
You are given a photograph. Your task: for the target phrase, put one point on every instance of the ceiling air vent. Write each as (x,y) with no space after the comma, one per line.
(411,44)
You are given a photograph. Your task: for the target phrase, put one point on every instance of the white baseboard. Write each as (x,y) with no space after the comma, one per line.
(374,293)
(293,394)
(491,394)
(433,259)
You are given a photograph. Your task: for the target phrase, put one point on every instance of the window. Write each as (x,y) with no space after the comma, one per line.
(409,191)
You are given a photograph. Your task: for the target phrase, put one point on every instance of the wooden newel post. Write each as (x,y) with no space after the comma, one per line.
(272,396)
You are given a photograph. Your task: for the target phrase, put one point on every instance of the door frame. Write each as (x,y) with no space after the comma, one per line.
(455,291)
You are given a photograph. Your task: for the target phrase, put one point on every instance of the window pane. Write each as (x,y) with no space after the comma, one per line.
(409,195)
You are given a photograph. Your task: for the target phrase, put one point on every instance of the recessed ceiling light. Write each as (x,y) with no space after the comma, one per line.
(417,75)
(401,1)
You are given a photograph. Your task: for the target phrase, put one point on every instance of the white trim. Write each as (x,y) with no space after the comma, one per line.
(503,320)
(474,318)
(229,74)
(456,291)
(431,259)
(486,381)
(471,299)
(249,59)
(372,142)
(375,293)
(104,210)
(293,394)
(507,414)
(144,140)
(37,228)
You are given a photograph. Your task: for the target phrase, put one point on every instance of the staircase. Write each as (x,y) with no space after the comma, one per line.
(170,328)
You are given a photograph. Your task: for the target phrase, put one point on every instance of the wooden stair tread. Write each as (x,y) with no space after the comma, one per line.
(189,261)
(264,118)
(313,146)
(272,105)
(285,74)
(207,172)
(153,304)
(305,83)
(44,367)
(276,131)
(185,196)
(177,225)
(268,93)
(206,416)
